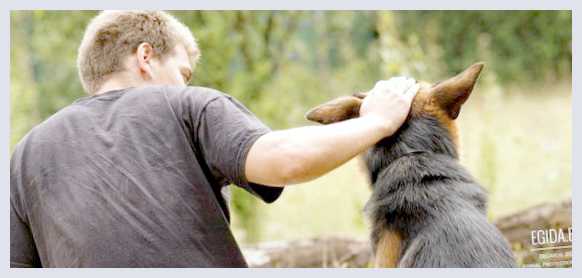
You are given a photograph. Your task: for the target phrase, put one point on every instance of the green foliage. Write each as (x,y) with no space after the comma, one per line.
(273,60)
(43,70)
(523,45)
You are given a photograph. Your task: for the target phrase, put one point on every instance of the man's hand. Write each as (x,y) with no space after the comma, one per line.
(389,102)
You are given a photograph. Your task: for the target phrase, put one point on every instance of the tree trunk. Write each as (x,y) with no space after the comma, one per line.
(518,228)
(313,252)
(348,252)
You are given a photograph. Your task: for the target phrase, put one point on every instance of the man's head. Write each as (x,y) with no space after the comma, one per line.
(137,47)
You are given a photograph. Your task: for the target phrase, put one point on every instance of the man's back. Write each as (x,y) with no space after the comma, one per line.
(132,178)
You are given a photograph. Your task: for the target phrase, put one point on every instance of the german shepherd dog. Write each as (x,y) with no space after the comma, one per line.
(426,210)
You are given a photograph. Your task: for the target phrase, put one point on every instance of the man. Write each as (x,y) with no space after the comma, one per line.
(132,175)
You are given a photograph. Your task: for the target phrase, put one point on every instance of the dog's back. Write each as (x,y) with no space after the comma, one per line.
(426,210)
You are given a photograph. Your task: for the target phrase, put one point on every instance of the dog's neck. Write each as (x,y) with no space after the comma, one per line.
(419,136)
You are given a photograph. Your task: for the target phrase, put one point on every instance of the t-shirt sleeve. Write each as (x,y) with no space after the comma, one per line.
(226,132)
(23,252)
(22,249)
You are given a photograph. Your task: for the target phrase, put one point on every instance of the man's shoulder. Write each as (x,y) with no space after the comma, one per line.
(197,93)
(193,99)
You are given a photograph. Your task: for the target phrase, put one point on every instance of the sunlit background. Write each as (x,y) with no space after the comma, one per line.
(515,129)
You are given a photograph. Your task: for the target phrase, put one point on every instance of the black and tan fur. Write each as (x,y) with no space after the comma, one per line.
(426,210)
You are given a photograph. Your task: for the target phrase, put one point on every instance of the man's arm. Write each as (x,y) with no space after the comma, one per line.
(301,154)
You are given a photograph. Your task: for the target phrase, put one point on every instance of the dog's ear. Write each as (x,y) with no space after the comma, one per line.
(337,110)
(450,94)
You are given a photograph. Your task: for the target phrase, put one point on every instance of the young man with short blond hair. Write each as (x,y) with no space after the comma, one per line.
(133,175)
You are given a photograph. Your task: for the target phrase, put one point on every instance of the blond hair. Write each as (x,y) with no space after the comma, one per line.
(113,35)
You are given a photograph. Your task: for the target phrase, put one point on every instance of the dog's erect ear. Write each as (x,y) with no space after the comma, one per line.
(450,94)
(337,110)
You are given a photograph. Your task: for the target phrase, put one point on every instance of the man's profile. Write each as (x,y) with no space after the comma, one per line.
(133,175)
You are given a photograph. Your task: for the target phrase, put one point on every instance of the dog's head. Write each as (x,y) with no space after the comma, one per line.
(441,102)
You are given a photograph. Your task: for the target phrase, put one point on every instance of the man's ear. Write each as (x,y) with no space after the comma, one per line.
(337,110)
(452,93)
(144,55)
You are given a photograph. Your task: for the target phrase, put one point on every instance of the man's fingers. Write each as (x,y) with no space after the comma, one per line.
(392,83)
(407,85)
(411,92)
(398,84)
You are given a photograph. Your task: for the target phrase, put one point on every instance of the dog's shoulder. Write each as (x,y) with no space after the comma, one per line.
(422,184)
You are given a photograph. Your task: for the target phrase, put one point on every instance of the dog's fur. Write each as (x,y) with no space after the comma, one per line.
(426,210)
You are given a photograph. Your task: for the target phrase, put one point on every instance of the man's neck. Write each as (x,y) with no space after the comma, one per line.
(118,83)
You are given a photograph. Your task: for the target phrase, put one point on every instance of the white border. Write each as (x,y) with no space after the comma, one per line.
(266,5)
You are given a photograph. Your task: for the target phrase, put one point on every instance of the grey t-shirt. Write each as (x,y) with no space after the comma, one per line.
(133,178)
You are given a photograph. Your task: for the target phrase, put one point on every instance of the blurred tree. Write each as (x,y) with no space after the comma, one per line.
(43,70)
(526,46)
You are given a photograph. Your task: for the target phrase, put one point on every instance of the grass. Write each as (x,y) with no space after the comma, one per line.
(516,142)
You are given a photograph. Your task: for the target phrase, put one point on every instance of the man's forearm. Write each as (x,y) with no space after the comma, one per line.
(301,154)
